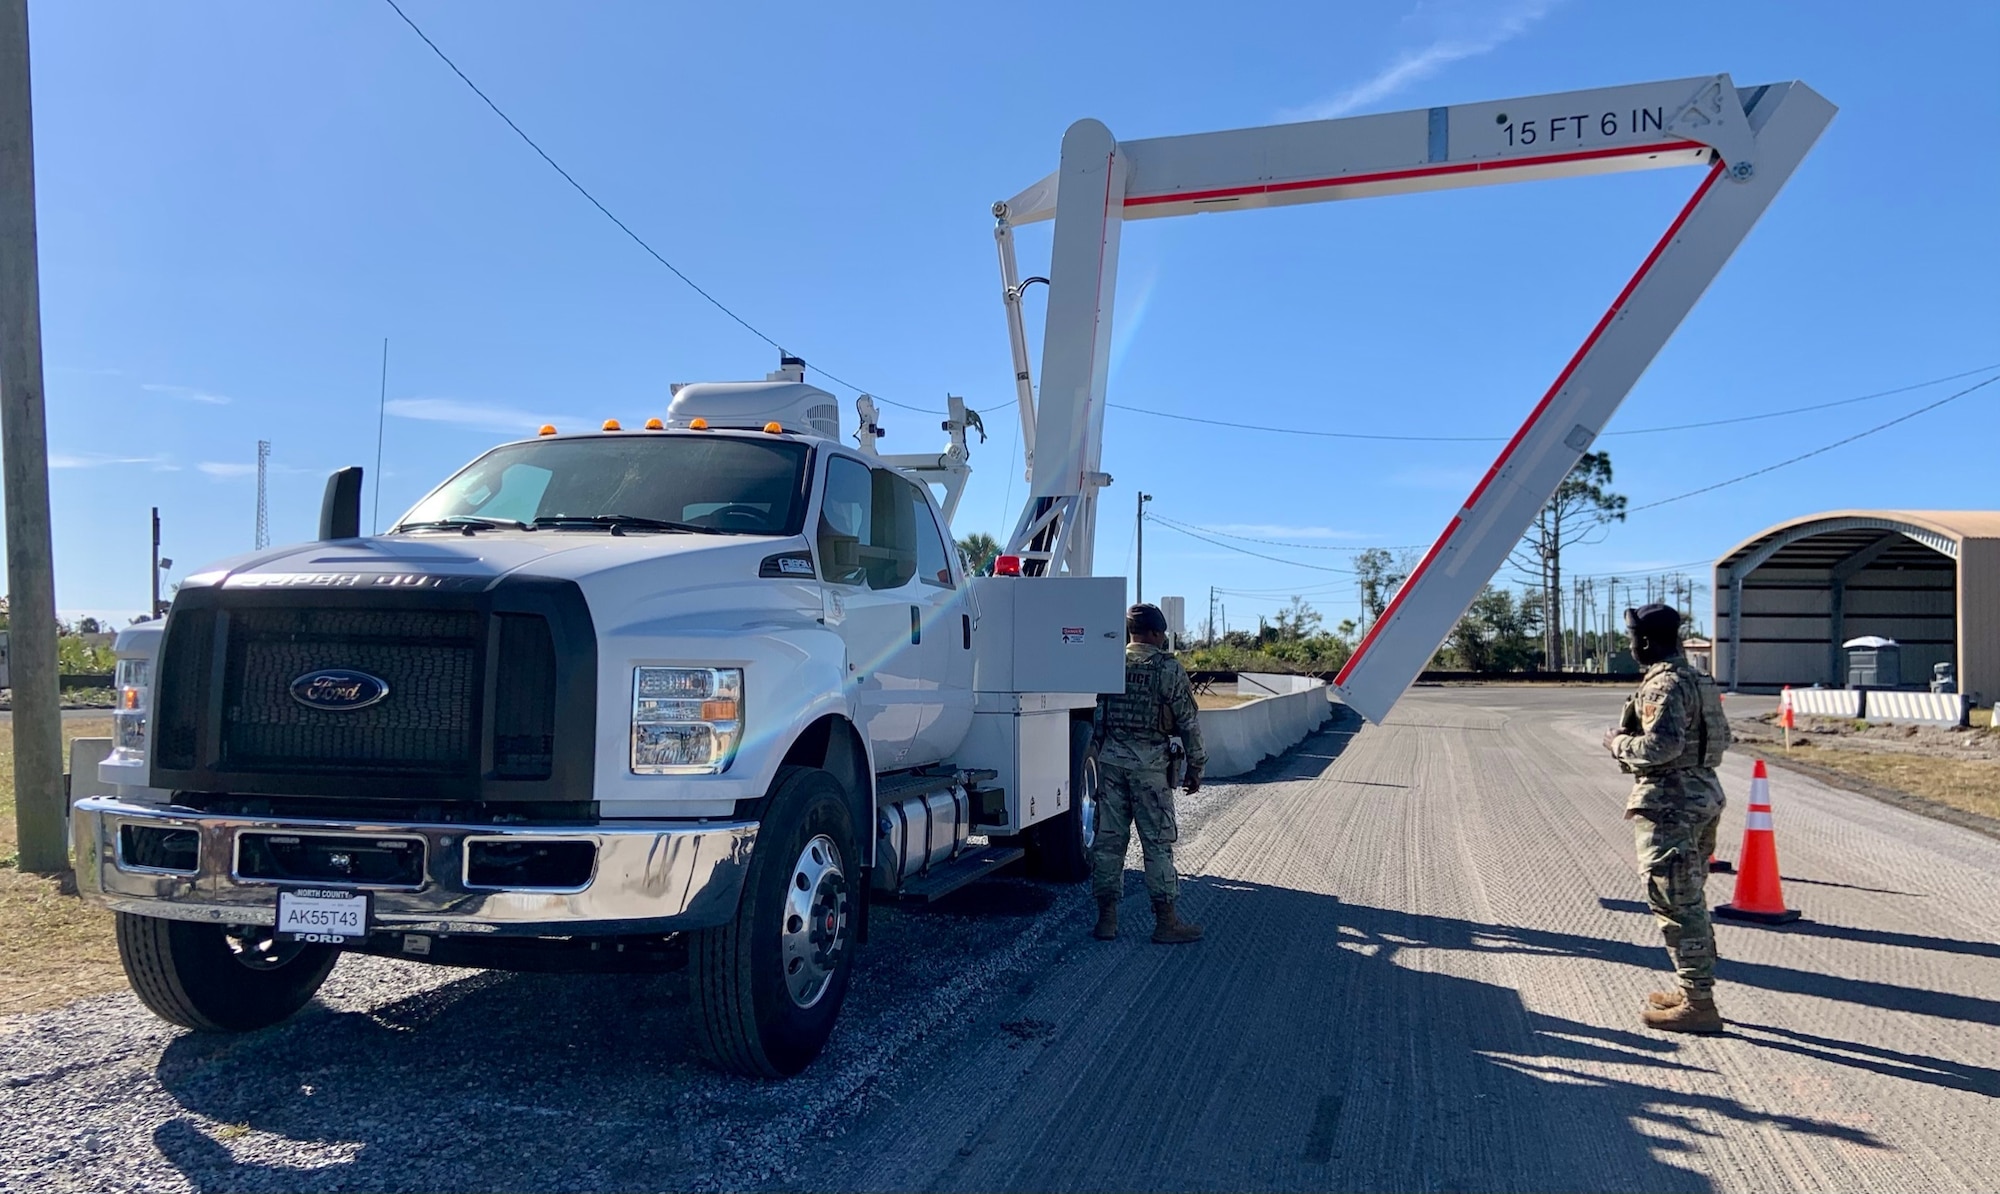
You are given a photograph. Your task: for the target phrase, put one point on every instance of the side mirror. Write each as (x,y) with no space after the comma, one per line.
(340,509)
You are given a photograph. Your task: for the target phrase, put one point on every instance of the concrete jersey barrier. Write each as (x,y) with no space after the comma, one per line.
(1881,704)
(1826,702)
(1239,738)
(1925,708)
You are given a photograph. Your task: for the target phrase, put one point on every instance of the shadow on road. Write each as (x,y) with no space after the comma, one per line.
(1969,1008)
(1312,1044)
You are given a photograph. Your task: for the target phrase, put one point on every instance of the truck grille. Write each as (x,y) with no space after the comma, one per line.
(477,708)
(427,726)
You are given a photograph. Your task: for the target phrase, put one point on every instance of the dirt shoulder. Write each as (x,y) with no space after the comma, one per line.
(1950,775)
(53,946)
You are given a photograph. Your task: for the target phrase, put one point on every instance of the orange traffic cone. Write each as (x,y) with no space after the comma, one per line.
(1758,896)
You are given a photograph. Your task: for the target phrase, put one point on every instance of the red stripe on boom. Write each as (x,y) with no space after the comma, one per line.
(1355,180)
(1562,379)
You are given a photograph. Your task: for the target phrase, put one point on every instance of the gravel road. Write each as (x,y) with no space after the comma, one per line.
(1425,956)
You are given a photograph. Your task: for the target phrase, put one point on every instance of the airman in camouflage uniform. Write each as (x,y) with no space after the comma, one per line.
(1130,737)
(1671,739)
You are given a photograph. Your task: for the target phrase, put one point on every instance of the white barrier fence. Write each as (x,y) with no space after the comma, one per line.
(1826,702)
(1239,738)
(1875,704)
(1927,708)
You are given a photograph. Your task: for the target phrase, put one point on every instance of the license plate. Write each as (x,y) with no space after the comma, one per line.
(329,917)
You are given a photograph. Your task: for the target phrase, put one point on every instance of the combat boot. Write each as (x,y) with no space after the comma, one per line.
(1107,918)
(1696,1014)
(1666,999)
(1168,927)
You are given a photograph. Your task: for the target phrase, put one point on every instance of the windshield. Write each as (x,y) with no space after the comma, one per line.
(715,483)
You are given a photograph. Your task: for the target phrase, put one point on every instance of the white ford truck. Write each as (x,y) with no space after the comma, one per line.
(691,694)
(701,691)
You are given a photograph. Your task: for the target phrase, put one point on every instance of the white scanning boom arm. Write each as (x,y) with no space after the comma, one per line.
(1748,139)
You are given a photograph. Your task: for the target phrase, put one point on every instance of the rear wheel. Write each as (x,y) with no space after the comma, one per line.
(768,985)
(217,978)
(1059,848)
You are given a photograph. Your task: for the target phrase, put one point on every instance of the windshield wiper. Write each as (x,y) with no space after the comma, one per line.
(617,521)
(464,523)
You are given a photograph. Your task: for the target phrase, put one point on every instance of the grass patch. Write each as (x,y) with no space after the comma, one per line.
(1969,785)
(53,947)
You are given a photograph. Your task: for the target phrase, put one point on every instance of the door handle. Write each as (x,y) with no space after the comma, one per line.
(916,625)
(966,621)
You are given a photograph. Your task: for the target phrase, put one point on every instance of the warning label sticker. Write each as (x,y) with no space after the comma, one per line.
(1072,634)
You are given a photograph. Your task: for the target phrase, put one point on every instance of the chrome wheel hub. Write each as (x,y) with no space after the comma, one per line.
(260,949)
(815,928)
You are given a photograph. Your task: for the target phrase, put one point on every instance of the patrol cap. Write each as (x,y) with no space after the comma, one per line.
(1145,619)
(1656,622)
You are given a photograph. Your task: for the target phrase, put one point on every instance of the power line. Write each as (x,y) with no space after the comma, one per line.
(1494,439)
(1771,468)
(622,226)
(1415,439)
(1174,526)
(1800,410)
(1307,546)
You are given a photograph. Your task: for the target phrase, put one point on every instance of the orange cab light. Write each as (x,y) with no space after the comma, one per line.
(612,425)
(1007,566)
(773,429)
(718,710)
(654,425)
(130,698)
(547,429)
(697,424)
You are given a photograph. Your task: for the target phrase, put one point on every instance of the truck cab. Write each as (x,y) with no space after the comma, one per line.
(692,692)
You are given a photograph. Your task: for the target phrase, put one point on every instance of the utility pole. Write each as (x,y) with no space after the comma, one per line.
(381,425)
(1139,529)
(1211,615)
(153,611)
(263,507)
(31,579)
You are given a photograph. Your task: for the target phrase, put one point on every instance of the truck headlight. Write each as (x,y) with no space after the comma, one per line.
(685,720)
(134,680)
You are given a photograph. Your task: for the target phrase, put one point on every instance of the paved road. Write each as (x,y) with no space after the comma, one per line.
(1423,970)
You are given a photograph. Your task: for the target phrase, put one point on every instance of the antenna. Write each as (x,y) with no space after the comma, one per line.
(263,508)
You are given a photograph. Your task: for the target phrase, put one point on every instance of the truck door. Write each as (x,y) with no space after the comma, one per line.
(942,628)
(868,576)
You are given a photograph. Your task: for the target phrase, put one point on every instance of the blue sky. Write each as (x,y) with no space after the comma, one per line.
(239,202)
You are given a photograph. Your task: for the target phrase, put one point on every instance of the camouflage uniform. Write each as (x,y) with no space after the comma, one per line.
(1672,738)
(1130,736)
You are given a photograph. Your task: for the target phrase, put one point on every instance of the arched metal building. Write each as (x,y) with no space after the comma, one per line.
(1787,598)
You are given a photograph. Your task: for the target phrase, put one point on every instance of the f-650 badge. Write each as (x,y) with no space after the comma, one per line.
(338,690)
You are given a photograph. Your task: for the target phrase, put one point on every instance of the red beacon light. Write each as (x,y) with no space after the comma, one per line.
(1007,566)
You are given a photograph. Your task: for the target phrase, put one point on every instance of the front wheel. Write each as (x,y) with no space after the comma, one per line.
(768,986)
(217,978)
(1059,848)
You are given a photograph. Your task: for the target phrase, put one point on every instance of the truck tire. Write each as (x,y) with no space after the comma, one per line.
(217,978)
(768,986)
(1059,848)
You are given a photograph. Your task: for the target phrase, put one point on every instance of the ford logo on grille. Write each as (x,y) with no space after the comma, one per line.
(338,690)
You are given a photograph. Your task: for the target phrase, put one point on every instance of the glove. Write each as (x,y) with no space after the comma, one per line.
(1611,739)
(1193,782)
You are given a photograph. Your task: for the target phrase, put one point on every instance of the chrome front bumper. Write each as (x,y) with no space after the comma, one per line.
(650,876)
